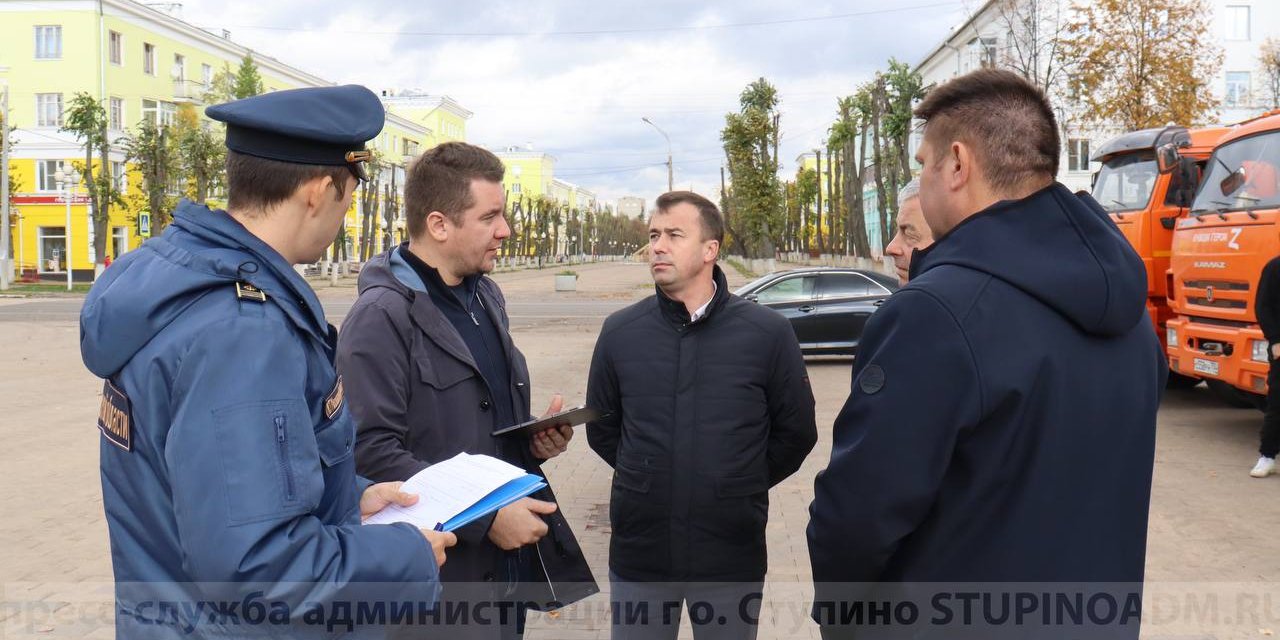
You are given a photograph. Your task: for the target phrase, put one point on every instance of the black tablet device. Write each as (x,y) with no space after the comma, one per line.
(572,417)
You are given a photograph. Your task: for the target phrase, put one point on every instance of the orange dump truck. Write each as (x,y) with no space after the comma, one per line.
(1219,250)
(1146,195)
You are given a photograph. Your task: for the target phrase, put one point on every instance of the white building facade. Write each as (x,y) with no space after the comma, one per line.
(1239,27)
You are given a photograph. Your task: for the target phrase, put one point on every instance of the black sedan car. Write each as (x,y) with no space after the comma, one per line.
(827,306)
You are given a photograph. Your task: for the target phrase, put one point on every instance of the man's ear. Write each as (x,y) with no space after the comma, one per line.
(711,251)
(437,226)
(958,168)
(315,193)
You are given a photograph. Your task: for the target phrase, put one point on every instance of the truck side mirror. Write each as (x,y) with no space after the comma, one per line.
(1167,157)
(1233,182)
(1183,184)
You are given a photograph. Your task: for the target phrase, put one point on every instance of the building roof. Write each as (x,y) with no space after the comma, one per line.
(959,30)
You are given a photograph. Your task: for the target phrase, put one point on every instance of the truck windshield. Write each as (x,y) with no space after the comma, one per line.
(1242,175)
(1125,182)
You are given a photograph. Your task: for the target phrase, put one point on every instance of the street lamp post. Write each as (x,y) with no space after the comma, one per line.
(670,173)
(68,182)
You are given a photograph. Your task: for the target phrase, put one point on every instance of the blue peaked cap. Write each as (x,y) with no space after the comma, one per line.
(316,125)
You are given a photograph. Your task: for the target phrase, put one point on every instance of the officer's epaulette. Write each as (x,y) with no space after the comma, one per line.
(246,291)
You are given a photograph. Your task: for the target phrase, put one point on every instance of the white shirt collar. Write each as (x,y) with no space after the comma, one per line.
(702,311)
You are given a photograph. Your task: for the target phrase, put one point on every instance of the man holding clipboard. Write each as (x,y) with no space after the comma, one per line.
(431,372)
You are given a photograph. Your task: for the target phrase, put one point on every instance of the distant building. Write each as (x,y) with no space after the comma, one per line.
(631,206)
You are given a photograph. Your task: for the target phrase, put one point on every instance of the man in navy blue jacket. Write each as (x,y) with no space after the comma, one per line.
(999,435)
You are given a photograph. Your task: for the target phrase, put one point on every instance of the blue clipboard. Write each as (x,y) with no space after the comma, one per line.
(499,498)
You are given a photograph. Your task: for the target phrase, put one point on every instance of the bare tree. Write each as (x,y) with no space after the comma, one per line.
(1033,34)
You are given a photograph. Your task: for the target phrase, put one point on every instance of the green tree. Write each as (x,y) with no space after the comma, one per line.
(750,138)
(248,82)
(151,150)
(222,88)
(806,191)
(1143,64)
(87,119)
(901,88)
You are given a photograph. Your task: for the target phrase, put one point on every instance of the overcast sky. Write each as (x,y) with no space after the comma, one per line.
(573,79)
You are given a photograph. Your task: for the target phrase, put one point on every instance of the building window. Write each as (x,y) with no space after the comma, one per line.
(46,170)
(119,241)
(1077,154)
(48,109)
(53,249)
(206,75)
(179,67)
(981,53)
(1236,19)
(48,42)
(1237,94)
(148,58)
(116,113)
(120,177)
(115,48)
(515,188)
(158,112)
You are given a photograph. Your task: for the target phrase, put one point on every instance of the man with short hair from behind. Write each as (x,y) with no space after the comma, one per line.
(1000,430)
(912,233)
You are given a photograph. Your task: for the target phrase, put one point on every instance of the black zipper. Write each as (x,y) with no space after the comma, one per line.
(282,444)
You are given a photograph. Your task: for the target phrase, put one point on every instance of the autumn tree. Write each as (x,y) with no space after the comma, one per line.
(750,138)
(201,155)
(1143,64)
(86,118)
(1270,62)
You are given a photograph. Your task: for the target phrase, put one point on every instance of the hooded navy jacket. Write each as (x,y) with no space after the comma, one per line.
(235,472)
(1001,423)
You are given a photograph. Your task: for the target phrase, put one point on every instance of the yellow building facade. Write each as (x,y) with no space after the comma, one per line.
(140,63)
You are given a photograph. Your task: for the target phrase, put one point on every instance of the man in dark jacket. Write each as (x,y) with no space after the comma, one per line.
(999,434)
(1267,308)
(708,406)
(431,372)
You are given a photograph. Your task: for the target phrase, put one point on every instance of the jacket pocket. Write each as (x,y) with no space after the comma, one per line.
(270,463)
(443,371)
(632,479)
(336,440)
(741,486)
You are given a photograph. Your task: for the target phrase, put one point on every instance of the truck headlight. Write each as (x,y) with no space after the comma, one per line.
(1258,351)
(1171,337)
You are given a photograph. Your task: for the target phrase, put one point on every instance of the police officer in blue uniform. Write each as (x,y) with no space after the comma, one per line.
(228,479)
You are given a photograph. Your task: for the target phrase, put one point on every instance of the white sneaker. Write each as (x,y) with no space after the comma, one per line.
(1265,467)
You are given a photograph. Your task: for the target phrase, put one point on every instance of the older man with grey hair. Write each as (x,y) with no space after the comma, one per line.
(912,233)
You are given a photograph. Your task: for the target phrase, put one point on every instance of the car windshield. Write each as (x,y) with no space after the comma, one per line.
(1242,175)
(1125,182)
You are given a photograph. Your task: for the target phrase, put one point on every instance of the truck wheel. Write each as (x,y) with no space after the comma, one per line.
(1232,396)
(1179,381)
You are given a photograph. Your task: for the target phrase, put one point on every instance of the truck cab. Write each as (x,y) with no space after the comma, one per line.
(1146,196)
(1218,254)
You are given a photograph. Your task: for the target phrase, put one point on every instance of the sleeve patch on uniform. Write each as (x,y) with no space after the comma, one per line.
(333,403)
(872,379)
(114,417)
